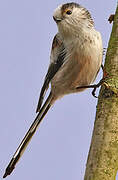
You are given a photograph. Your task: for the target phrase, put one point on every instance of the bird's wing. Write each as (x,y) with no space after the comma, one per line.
(58,54)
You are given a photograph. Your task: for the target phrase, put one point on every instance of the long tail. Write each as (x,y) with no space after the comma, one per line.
(20,150)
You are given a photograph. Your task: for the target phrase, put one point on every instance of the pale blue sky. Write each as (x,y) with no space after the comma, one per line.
(59,149)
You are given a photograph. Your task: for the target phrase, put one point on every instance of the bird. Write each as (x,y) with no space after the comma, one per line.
(75,60)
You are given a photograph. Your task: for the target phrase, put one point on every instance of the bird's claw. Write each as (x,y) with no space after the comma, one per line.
(94,86)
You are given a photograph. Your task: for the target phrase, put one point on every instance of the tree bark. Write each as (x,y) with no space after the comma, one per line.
(102,163)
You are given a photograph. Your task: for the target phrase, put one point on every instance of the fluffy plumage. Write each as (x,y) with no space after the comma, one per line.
(75,60)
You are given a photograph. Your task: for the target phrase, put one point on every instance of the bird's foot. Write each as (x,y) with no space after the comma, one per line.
(94,86)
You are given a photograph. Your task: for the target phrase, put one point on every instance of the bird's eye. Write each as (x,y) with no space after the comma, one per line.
(68,12)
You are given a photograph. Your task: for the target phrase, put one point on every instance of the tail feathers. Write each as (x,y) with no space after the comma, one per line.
(20,150)
(41,97)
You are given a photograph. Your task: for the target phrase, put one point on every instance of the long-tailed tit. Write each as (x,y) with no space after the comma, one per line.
(75,60)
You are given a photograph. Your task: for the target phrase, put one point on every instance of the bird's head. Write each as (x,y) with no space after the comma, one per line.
(71,18)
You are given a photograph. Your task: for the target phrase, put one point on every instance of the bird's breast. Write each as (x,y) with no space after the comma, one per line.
(80,69)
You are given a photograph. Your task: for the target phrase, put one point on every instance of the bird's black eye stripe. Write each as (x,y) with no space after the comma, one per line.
(68,12)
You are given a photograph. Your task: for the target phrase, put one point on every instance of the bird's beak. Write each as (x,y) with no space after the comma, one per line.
(56,19)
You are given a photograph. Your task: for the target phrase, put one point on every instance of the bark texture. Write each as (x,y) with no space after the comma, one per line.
(102,163)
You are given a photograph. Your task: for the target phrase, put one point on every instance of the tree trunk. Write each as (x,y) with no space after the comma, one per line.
(102,163)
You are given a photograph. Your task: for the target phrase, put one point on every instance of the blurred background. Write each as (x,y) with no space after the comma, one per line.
(59,149)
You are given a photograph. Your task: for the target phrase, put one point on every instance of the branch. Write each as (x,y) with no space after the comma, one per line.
(102,160)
